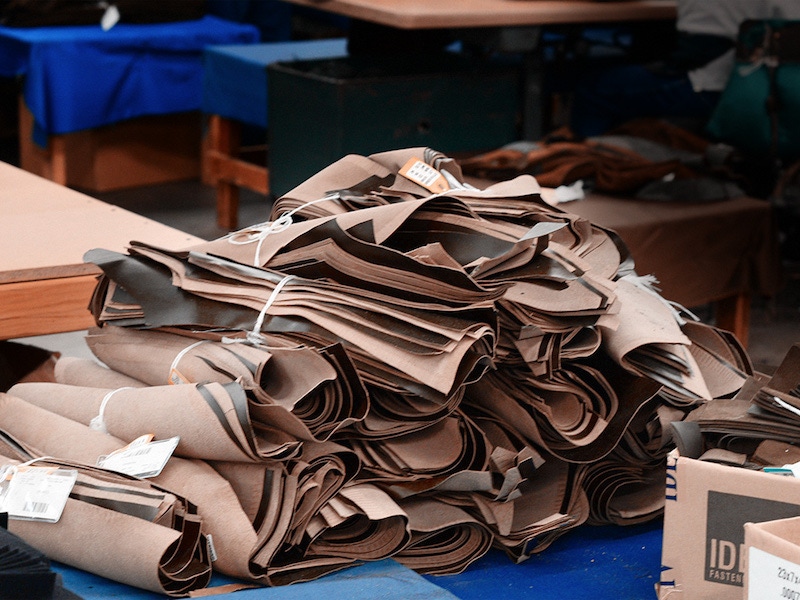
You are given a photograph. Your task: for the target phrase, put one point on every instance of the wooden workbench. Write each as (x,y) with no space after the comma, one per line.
(45,286)
(427,14)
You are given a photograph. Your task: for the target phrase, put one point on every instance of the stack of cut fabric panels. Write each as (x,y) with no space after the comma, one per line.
(396,364)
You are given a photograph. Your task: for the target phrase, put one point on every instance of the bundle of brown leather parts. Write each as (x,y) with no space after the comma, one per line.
(397,364)
(645,158)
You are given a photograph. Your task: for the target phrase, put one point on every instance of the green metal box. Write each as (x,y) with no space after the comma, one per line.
(321,110)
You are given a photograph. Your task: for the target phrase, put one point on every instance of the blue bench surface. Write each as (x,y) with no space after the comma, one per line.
(235,76)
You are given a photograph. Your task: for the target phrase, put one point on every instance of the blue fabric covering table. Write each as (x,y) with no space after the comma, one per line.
(609,562)
(235,76)
(82,77)
(235,94)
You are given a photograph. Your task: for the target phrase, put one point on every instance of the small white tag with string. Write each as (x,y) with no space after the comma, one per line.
(35,493)
(141,458)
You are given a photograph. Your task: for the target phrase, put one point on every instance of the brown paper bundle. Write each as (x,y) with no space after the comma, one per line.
(646,339)
(360,523)
(621,493)
(212,420)
(85,372)
(448,446)
(122,528)
(362,182)
(445,540)
(223,519)
(426,346)
(357,523)
(398,405)
(551,503)
(317,475)
(765,408)
(720,358)
(311,393)
(580,419)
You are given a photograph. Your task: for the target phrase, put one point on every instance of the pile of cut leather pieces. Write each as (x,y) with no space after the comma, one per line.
(755,428)
(397,364)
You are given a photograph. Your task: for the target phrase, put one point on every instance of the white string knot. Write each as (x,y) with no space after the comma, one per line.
(98,423)
(255,337)
(260,232)
(173,376)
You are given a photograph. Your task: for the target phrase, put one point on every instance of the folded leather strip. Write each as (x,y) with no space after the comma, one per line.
(212,420)
(445,539)
(140,534)
(46,433)
(309,393)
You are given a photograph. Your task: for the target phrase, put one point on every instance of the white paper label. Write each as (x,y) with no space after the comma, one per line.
(141,458)
(770,577)
(37,493)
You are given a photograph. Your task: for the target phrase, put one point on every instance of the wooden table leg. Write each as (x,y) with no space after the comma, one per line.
(58,159)
(733,314)
(224,140)
(228,172)
(49,162)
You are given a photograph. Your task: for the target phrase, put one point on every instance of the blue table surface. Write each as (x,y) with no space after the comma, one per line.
(235,76)
(82,77)
(622,563)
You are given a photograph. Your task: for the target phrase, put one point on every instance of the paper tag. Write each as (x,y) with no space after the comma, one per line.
(176,378)
(110,17)
(141,458)
(771,577)
(212,551)
(425,175)
(36,493)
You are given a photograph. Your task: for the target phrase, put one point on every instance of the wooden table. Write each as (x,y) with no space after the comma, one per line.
(505,15)
(45,229)
(434,14)
(720,253)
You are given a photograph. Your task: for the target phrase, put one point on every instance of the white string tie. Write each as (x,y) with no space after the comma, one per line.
(9,471)
(98,423)
(260,232)
(173,368)
(255,337)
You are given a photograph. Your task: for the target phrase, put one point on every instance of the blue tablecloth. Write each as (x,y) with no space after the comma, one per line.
(235,76)
(82,77)
(603,563)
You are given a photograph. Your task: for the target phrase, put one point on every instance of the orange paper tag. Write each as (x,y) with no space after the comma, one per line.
(425,175)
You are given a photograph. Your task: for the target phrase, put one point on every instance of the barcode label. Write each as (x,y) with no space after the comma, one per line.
(37,508)
(142,459)
(38,493)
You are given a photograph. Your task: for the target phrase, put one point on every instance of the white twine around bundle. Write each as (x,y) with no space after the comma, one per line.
(8,471)
(98,423)
(260,232)
(174,366)
(255,337)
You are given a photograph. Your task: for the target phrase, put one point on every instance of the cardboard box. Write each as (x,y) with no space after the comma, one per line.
(138,152)
(706,508)
(773,559)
